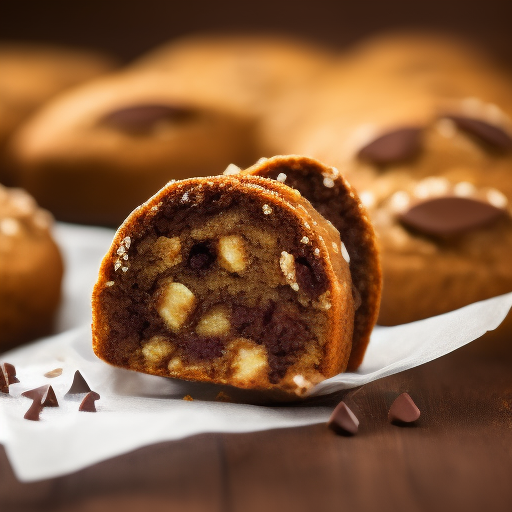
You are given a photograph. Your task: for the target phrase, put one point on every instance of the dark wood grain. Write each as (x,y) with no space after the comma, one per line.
(457,457)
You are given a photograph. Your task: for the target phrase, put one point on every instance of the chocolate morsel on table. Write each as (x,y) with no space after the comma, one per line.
(495,136)
(34,411)
(343,420)
(79,385)
(394,146)
(57,372)
(10,373)
(44,394)
(403,410)
(88,403)
(447,215)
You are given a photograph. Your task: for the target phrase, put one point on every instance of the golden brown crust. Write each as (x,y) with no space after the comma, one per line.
(278,204)
(30,270)
(334,198)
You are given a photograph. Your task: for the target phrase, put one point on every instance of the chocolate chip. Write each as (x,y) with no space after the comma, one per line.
(343,420)
(53,373)
(311,281)
(34,411)
(10,373)
(142,118)
(395,146)
(491,134)
(403,410)
(44,395)
(4,382)
(79,385)
(448,215)
(88,404)
(201,257)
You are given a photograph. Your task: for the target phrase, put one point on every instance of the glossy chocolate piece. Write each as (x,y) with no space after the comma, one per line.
(143,118)
(491,134)
(394,146)
(10,373)
(44,395)
(34,411)
(4,383)
(447,215)
(88,403)
(403,410)
(79,385)
(343,420)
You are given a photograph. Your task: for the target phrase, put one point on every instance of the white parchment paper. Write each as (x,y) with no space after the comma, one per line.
(137,410)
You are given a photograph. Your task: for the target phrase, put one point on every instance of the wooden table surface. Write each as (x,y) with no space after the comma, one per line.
(458,457)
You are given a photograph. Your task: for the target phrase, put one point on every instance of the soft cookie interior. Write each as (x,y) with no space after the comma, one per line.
(219,286)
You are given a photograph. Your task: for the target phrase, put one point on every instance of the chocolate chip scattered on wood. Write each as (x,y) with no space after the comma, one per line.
(88,403)
(79,385)
(34,411)
(53,373)
(394,146)
(403,410)
(45,395)
(10,373)
(343,420)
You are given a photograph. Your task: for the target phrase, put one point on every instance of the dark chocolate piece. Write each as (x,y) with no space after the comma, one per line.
(44,395)
(448,215)
(395,146)
(4,382)
(491,134)
(79,385)
(10,373)
(88,403)
(53,373)
(142,118)
(34,411)
(343,420)
(403,410)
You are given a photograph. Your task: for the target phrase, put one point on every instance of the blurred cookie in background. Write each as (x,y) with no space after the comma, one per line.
(30,269)
(97,152)
(31,74)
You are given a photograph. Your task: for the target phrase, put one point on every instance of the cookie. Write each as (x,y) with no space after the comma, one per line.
(32,74)
(30,270)
(331,195)
(94,154)
(444,245)
(228,280)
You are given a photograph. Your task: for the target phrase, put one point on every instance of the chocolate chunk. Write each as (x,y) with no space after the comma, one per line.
(491,134)
(201,257)
(79,385)
(142,118)
(53,373)
(44,395)
(34,411)
(448,215)
(310,280)
(403,410)
(4,382)
(343,420)
(10,373)
(88,404)
(395,146)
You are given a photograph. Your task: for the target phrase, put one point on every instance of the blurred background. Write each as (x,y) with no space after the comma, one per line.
(129,28)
